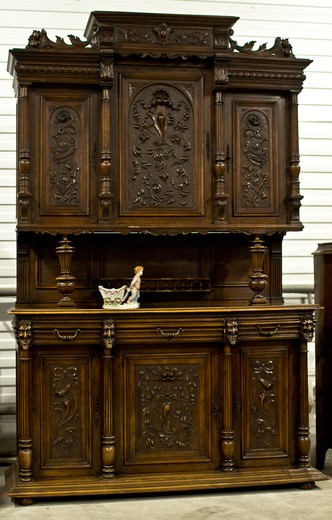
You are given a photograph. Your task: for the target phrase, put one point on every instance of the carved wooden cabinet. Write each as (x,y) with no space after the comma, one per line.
(158,141)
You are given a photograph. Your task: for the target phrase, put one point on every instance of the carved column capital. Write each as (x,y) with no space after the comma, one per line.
(231,331)
(23,332)
(108,334)
(308,323)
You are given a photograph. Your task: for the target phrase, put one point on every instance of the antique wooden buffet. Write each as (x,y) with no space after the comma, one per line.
(158,141)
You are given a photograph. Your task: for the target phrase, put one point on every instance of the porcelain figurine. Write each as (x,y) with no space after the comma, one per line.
(125,297)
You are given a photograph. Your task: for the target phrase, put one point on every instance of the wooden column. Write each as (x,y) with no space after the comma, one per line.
(24,181)
(220,197)
(108,439)
(105,195)
(294,161)
(307,331)
(227,432)
(23,330)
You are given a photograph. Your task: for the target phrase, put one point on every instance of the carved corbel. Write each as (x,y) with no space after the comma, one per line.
(108,334)
(308,323)
(23,331)
(231,331)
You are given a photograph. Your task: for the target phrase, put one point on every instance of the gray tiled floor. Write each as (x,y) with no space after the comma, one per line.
(260,504)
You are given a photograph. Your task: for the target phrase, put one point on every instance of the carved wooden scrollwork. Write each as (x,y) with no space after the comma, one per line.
(263,406)
(40,40)
(256,144)
(66,431)
(281,47)
(65,170)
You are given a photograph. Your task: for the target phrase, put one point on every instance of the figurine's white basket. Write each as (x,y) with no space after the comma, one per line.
(115,298)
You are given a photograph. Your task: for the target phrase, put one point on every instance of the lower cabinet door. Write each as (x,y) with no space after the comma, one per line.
(66,411)
(167,413)
(265,404)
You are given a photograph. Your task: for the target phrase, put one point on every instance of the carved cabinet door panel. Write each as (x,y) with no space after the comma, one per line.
(168,417)
(265,390)
(255,176)
(66,410)
(63,162)
(162,143)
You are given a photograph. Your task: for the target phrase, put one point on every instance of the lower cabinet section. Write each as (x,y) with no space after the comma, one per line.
(161,400)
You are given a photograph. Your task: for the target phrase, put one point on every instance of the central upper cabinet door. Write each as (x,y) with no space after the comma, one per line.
(162,143)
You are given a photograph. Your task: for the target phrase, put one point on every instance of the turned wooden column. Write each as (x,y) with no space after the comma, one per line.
(23,331)
(65,281)
(227,433)
(307,332)
(23,182)
(294,162)
(220,197)
(105,194)
(108,439)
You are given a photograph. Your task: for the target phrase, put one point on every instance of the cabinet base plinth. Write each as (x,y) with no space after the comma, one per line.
(157,483)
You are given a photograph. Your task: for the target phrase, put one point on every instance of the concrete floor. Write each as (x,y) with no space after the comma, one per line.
(259,504)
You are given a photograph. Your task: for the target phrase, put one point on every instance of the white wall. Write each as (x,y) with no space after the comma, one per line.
(307,24)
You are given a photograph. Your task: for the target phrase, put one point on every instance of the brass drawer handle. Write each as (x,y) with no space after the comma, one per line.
(65,337)
(267,332)
(169,334)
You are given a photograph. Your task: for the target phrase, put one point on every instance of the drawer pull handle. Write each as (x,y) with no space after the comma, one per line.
(169,334)
(268,332)
(66,337)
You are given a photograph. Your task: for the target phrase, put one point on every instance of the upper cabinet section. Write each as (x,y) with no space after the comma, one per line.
(158,123)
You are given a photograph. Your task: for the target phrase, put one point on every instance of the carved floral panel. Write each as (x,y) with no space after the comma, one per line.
(64,181)
(162,170)
(256,163)
(265,423)
(64,413)
(171,409)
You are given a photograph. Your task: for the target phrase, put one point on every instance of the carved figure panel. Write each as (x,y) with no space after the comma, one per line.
(170,399)
(64,170)
(162,170)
